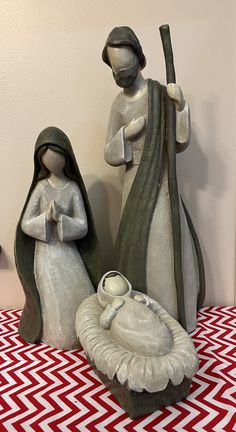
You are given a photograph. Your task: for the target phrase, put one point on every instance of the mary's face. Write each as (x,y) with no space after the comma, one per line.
(54,161)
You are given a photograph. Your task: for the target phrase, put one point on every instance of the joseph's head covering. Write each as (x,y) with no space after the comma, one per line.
(124,36)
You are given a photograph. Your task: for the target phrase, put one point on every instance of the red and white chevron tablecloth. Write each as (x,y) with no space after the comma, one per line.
(43,389)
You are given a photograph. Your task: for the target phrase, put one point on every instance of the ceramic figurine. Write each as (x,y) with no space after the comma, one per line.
(56,246)
(138,350)
(157,248)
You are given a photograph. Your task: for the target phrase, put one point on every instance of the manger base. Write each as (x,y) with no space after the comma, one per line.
(139,404)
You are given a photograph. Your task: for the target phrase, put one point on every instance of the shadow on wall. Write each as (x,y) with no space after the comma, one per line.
(5,262)
(105,200)
(199,171)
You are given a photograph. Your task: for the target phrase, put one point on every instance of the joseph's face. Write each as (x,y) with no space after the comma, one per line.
(120,57)
(125,65)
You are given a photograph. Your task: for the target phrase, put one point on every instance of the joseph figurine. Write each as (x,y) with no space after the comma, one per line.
(137,138)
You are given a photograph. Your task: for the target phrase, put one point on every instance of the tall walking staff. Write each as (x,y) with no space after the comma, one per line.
(172,177)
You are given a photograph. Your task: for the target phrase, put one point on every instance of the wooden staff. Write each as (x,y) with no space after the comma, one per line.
(172,177)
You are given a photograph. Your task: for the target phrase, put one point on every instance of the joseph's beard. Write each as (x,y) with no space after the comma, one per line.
(125,77)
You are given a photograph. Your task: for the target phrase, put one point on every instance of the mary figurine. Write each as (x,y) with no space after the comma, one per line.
(56,248)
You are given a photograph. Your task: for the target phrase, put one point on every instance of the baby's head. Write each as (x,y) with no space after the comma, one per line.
(115,284)
(112,285)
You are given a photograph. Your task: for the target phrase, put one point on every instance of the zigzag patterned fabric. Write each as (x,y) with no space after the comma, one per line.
(43,389)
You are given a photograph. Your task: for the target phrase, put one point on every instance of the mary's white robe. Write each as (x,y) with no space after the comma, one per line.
(61,277)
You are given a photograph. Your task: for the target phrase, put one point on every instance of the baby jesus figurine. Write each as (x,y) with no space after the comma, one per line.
(137,349)
(127,313)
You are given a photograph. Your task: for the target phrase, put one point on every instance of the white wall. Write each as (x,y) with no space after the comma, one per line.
(51,73)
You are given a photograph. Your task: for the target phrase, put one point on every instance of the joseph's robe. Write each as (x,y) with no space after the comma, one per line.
(144,244)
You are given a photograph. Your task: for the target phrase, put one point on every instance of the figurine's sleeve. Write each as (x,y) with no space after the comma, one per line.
(76,226)
(34,223)
(183,128)
(118,150)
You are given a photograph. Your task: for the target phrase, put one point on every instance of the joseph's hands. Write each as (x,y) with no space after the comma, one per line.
(175,93)
(134,127)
